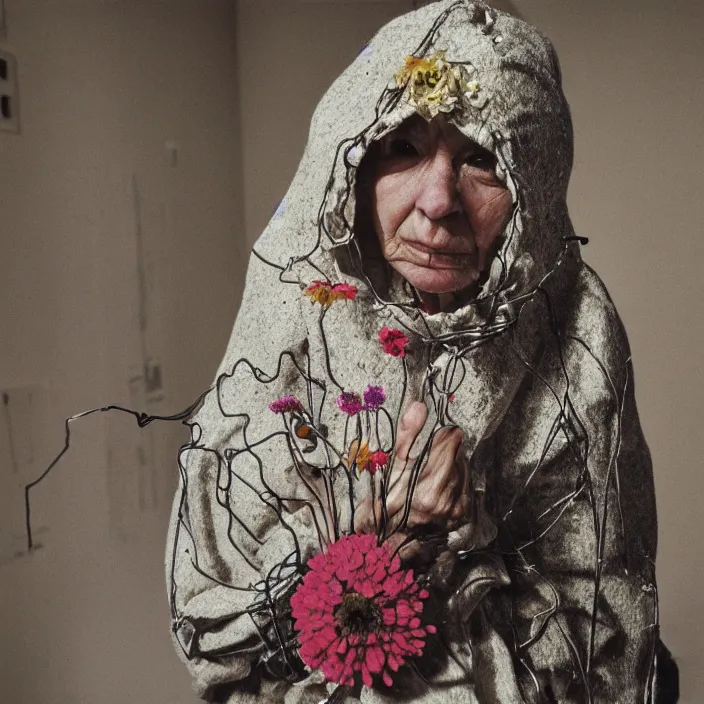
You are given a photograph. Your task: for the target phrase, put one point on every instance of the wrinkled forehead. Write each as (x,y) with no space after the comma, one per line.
(416,128)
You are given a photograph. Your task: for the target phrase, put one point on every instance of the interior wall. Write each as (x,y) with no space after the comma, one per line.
(121,244)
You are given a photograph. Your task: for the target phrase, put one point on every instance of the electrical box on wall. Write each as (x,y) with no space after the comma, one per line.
(9,93)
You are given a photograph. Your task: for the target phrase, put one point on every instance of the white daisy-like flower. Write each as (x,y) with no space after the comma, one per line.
(472,87)
(434,85)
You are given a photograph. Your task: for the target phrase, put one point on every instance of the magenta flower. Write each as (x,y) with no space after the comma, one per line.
(393,341)
(357,612)
(350,403)
(286,404)
(374,396)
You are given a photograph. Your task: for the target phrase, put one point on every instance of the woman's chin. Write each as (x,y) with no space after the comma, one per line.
(435,280)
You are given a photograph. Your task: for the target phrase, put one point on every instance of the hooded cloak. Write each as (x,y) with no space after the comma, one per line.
(547,592)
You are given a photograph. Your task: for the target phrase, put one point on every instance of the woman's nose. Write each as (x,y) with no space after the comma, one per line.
(438,196)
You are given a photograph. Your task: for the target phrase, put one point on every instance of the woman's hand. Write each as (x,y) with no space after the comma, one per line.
(439,502)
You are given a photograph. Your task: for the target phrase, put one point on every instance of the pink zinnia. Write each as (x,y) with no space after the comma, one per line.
(393,342)
(377,460)
(286,404)
(357,612)
(349,402)
(374,396)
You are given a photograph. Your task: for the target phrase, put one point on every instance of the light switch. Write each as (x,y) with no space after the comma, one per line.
(9,93)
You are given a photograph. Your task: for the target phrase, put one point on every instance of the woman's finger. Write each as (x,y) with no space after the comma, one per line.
(441,467)
(412,422)
(410,427)
(439,486)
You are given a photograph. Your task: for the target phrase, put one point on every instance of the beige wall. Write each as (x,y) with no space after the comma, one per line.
(114,95)
(111,92)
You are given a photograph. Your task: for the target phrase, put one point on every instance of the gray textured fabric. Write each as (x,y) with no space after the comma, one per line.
(548,593)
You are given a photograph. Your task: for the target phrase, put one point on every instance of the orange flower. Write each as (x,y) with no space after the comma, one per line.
(326,294)
(358,455)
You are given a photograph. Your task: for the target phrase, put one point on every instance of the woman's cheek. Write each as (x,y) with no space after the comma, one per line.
(490,213)
(393,204)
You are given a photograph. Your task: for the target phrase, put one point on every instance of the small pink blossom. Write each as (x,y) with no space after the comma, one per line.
(347,290)
(349,402)
(393,341)
(377,460)
(286,404)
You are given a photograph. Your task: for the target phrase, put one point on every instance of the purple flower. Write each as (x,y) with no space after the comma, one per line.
(286,404)
(374,396)
(349,403)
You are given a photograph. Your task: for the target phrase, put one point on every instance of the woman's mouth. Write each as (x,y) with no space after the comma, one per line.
(440,258)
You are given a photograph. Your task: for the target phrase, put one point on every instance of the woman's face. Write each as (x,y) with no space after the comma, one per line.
(438,206)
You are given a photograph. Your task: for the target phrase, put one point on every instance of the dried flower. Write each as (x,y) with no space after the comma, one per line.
(302,430)
(349,402)
(347,291)
(378,460)
(393,341)
(374,396)
(325,293)
(358,455)
(286,404)
(473,87)
(434,85)
(357,612)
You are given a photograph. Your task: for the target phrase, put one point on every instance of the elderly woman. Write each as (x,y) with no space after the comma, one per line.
(420,474)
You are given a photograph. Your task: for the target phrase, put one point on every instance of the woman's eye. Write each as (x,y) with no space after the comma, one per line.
(483,159)
(399,148)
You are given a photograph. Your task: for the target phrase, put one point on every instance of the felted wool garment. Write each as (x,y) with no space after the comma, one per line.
(546,593)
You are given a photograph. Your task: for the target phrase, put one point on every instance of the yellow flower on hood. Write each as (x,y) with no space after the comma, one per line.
(434,85)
